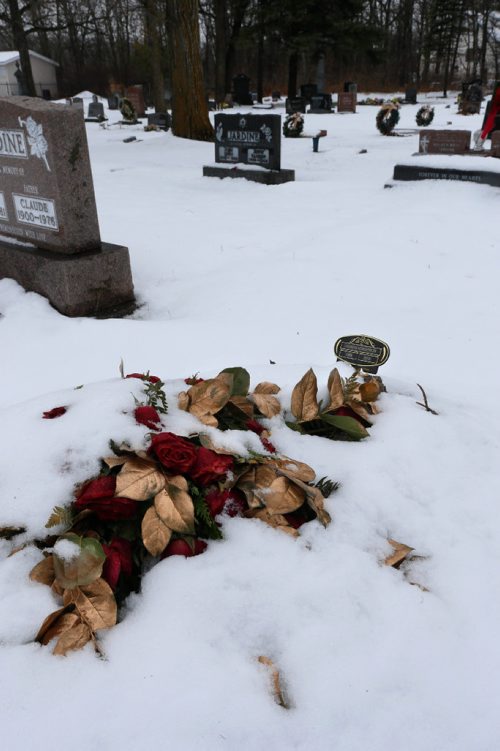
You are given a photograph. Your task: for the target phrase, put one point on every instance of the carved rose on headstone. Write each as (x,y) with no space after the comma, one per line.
(36,139)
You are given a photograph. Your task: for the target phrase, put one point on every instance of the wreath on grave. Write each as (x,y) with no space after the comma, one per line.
(293,125)
(425,116)
(388,118)
(166,497)
(127,110)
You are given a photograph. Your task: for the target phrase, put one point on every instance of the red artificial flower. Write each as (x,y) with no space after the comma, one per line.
(348,412)
(268,445)
(210,467)
(181,547)
(254,426)
(231,502)
(175,453)
(98,496)
(144,377)
(118,560)
(55,412)
(192,380)
(147,416)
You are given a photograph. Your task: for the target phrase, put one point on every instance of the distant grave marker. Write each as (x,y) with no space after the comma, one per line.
(135,95)
(241,89)
(295,104)
(444,141)
(160,119)
(320,104)
(308,90)
(47,201)
(411,95)
(96,112)
(347,101)
(249,139)
(362,351)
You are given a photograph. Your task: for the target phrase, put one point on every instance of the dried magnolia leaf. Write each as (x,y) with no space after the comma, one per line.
(401,553)
(208,397)
(7,533)
(278,692)
(43,572)
(240,380)
(283,496)
(277,521)
(295,469)
(57,589)
(83,568)
(74,634)
(359,409)
(336,391)
(369,391)
(304,403)
(53,625)
(242,403)
(95,604)
(207,442)
(266,388)
(155,533)
(314,498)
(114,461)
(255,482)
(175,508)
(183,401)
(267,404)
(139,480)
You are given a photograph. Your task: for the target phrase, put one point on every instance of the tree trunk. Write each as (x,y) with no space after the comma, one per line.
(293,67)
(21,43)
(189,106)
(153,34)
(220,50)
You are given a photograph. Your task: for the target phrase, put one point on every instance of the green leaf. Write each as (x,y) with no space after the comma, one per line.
(241,381)
(348,425)
(295,426)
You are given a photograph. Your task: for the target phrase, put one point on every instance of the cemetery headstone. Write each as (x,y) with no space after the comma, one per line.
(241,89)
(135,95)
(320,104)
(495,143)
(471,97)
(295,104)
(249,140)
(347,101)
(96,112)
(95,98)
(47,206)
(160,119)
(411,95)
(444,141)
(114,101)
(308,90)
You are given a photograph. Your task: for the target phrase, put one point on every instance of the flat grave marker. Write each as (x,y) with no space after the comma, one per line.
(444,141)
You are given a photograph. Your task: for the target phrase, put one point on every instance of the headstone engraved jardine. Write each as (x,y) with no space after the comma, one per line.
(444,141)
(249,139)
(347,101)
(47,202)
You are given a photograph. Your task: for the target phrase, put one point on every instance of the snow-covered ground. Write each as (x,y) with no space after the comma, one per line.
(229,272)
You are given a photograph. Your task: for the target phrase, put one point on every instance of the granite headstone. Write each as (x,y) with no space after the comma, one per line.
(320,104)
(411,95)
(295,104)
(135,95)
(347,101)
(160,119)
(444,141)
(47,205)
(96,112)
(308,90)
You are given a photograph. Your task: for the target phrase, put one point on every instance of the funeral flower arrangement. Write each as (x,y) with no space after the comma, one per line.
(425,116)
(387,118)
(168,497)
(293,125)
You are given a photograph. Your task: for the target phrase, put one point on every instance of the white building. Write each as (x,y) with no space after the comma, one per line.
(44,74)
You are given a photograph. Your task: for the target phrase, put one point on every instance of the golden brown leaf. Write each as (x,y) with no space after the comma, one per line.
(400,554)
(43,572)
(335,390)
(74,634)
(226,379)
(139,480)
(266,387)
(51,626)
(57,589)
(207,442)
(242,403)
(175,508)
(283,496)
(295,469)
(267,404)
(155,534)
(85,567)
(207,398)
(183,401)
(304,403)
(95,604)
(277,521)
(359,409)
(255,483)
(314,498)
(114,461)
(278,692)
(369,391)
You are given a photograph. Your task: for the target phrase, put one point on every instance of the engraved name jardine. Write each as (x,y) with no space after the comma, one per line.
(13,143)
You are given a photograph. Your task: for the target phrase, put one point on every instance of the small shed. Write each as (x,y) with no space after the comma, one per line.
(44,74)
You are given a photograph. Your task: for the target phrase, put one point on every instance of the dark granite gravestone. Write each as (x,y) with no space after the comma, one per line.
(347,102)
(241,89)
(295,104)
(424,172)
(320,104)
(495,143)
(411,95)
(114,102)
(308,90)
(47,205)
(160,119)
(249,139)
(96,112)
(444,141)
(135,95)
(471,97)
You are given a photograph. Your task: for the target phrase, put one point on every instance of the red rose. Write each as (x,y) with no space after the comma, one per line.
(147,416)
(144,377)
(98,496)
(181,547)
(175,453)
(231,502)
(118,560)
(210,467)
(55,412)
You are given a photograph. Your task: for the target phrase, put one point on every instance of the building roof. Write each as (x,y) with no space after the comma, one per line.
(10,56)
